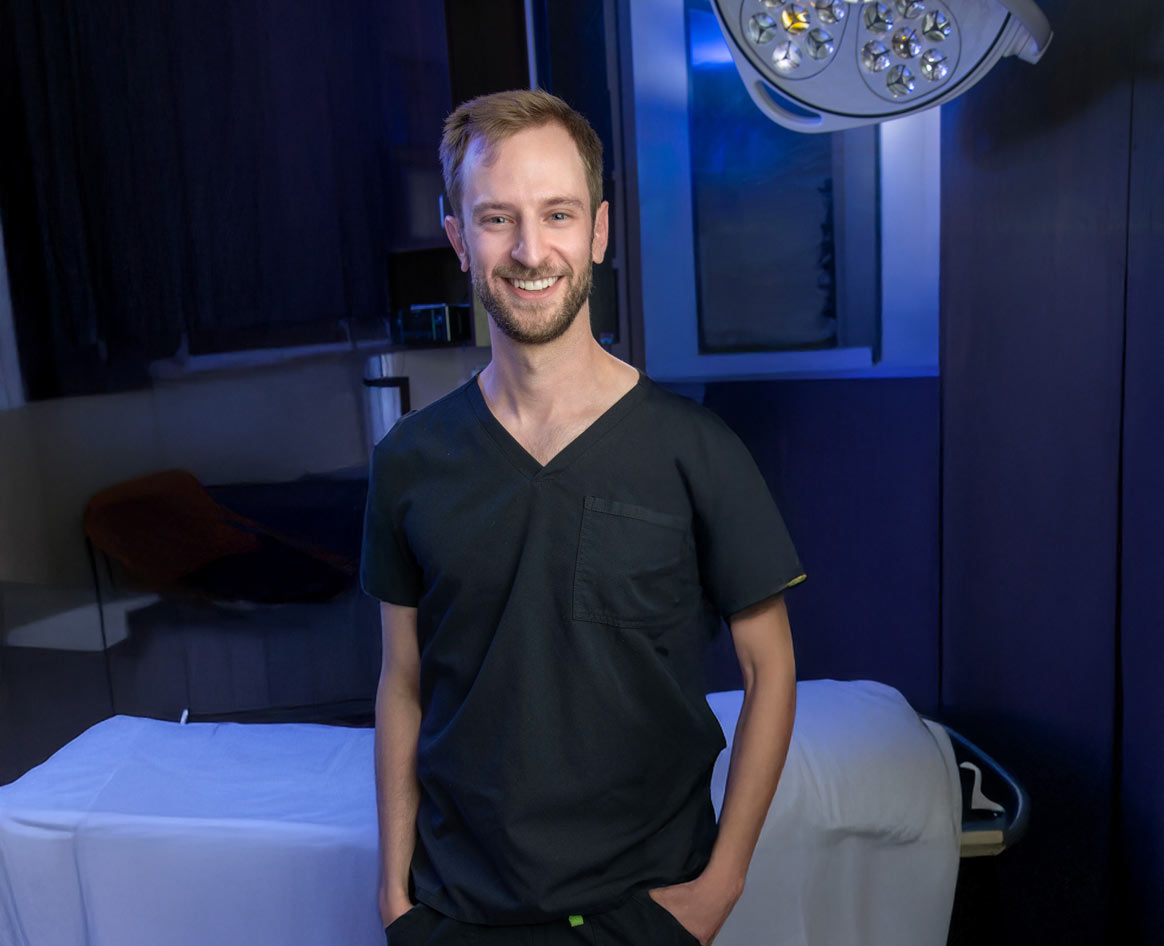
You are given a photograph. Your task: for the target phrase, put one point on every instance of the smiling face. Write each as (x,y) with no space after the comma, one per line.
(526,233)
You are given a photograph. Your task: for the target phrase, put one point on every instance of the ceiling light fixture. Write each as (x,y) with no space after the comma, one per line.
(834,64)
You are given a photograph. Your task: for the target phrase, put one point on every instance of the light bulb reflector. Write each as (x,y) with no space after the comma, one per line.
(830,11)
(936,26)
(877,18)
(819,44)
(900,81)
(761,28)
(786,57)
(934,65)
(905,43)
(875,56)
(794,18)
(910,9)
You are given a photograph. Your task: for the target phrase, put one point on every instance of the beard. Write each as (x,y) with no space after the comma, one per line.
(508,317)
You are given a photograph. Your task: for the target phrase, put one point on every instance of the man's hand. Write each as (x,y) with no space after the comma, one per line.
(393,906)
(700,905)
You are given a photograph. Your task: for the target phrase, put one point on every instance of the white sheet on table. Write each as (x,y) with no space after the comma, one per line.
(142,833)
(860,847)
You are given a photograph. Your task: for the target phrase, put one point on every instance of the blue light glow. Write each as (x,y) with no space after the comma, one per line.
(707,45)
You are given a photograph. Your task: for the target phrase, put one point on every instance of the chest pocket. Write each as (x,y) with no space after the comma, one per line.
(635,565)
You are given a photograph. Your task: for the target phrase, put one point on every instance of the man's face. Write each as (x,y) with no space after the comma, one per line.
(526,234)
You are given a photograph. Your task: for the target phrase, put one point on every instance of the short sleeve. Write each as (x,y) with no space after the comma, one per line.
(745,552)
(388,569)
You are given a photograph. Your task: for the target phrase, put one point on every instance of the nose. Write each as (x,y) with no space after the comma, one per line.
(530,249)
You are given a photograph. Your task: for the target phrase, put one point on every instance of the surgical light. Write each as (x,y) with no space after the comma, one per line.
(827,65)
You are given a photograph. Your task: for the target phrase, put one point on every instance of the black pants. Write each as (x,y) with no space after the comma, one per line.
(638,921)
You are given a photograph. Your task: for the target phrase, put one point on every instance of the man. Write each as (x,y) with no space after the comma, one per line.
(553,544)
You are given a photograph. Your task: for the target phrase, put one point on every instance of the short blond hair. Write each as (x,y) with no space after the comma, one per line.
(493,118)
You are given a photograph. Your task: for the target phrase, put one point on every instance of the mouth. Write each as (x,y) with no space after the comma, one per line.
(534,285)
(533,288)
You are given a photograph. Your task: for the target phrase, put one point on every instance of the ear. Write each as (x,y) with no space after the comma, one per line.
(457,238)
(601,232)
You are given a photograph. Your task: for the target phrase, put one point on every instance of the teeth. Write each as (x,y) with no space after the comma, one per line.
(533,285)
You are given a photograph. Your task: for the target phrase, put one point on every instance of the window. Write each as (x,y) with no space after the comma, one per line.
(764,252)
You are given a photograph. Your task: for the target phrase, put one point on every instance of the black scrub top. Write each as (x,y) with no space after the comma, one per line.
(566,747)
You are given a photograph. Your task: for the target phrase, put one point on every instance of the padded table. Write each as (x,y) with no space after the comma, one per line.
(142,833)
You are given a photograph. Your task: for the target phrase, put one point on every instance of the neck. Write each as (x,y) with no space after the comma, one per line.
(524,380)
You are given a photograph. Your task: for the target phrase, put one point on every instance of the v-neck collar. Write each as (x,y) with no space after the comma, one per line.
(522,458)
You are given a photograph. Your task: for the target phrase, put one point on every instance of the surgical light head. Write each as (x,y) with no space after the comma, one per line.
(826,65)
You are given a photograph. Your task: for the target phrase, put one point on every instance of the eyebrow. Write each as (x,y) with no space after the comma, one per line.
(490,206)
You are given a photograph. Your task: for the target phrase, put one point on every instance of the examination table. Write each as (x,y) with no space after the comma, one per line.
(142,832)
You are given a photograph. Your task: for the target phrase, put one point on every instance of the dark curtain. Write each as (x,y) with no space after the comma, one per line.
(208,173)
(1052,407)
(853,466)
(1140,749)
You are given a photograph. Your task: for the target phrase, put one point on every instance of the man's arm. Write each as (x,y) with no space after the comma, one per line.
(397,731)
(763,644)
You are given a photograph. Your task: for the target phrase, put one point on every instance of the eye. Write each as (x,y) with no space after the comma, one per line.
(559,216)
(495,221)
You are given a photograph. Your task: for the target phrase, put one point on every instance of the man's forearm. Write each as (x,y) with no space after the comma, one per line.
(763,642)
(397,791)
(759,748)
(398,718)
